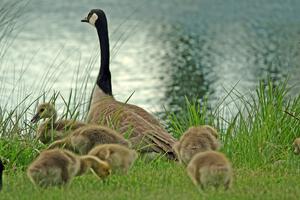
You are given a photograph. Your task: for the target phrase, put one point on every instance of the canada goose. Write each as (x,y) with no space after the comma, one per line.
(210,168)
(83,139)
(194,140)
(57,167)
(1,173)
(51,129)
(120,158)
(147,134)
(296,145)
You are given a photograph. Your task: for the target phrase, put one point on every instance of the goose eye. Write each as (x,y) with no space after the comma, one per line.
(42,110)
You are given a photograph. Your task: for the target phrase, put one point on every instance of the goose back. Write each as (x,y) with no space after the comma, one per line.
(143,135)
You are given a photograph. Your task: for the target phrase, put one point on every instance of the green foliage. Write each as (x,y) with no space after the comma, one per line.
(160,180)
(18,146)
(18,153)
(193,114)
(259,133)
(257,138)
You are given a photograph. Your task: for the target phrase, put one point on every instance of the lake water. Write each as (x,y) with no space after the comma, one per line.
(162,50)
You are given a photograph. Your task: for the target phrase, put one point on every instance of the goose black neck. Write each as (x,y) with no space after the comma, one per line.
(104,76)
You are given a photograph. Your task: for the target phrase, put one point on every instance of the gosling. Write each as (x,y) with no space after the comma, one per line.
(52,129)
(212,130)
(296,145)
(194,140)
(210,168)
(57,167)
(120,158)
(83,139)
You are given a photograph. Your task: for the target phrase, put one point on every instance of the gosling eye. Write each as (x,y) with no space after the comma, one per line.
(42,110)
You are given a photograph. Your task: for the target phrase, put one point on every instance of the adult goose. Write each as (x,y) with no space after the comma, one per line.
(145,132)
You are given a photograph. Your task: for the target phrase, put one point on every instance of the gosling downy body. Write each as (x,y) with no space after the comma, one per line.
(83,139)
(53,129)
(146,133)
(57,167)
(194,140)
(296,145)
(120,158)
(210,168)
(1,174)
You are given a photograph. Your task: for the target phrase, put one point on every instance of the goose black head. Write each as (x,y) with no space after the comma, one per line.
(44,110)
(95,17)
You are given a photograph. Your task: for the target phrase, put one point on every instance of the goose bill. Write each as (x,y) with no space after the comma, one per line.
(84,20)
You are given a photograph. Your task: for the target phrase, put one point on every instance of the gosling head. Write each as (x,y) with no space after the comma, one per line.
(102,169)
(212,130)
(45,110)
(296,145)
(95,17)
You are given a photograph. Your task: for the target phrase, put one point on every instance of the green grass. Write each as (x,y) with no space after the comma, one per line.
(160,180)
(256,137)
(257,131)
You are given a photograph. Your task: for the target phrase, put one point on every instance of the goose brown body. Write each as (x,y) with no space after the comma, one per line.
(194,140)
(83,139)
(57,167)
(210,168)
(120,158)
(53,129)
(144,135)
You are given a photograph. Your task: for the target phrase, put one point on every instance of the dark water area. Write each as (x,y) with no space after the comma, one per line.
(162,50)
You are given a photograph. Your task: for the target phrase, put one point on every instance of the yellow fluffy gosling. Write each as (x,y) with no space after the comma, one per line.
(57,167)
(120,158)
(210,168)
(296,145)
(83,139)
(194,140)
(52,129)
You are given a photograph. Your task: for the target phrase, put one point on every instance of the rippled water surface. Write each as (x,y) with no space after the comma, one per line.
(162,50)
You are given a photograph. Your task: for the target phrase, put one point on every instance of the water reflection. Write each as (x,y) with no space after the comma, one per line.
(206,63)
(185,74)
(170,49)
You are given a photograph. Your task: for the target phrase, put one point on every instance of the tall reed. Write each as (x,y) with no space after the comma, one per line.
(258,133)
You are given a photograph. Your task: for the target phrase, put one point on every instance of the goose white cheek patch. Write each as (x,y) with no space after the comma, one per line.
(93,19)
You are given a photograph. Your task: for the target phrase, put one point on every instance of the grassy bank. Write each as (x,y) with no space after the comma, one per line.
(257,131)
(256,136)
(161,180)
